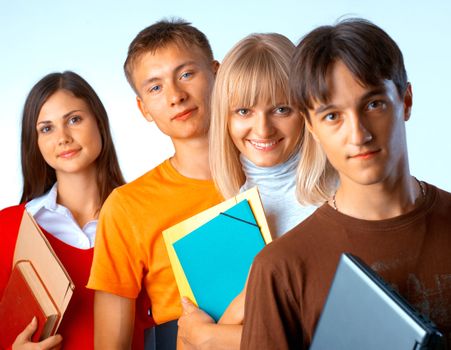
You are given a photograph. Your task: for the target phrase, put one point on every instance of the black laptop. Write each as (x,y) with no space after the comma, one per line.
(362,312)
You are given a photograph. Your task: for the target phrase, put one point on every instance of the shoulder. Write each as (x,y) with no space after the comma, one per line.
(438,200)
(150,184)
(141,187)
(144,180)
(441,194)
(12,214)
(10,219)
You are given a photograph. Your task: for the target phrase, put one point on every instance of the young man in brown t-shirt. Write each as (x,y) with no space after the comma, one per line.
(351,86)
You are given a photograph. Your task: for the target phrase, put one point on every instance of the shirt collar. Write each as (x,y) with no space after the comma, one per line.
(47,200)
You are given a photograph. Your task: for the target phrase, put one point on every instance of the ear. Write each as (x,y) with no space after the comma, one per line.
(215,66)
(143,109)
(408,102)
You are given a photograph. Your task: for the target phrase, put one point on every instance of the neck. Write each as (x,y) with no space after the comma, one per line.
(284,172)
(191,158)
(379,201)
(79,193)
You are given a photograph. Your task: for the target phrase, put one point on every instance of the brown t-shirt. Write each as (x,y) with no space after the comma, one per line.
(291,277)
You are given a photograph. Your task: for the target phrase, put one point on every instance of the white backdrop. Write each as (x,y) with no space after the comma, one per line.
(91,37)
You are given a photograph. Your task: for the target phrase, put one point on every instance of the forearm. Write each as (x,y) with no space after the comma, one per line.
(113,321)
(219,337)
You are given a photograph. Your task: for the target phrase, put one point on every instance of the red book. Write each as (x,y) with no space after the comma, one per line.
(24,297)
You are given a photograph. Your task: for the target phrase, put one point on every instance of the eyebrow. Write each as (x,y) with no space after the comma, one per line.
(377,90)
(65,116)
(176,69)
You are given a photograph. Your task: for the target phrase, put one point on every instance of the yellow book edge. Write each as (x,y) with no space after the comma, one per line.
(180,230)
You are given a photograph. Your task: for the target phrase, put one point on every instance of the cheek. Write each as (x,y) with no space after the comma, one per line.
(155,106)
(43,146)
(203,90)
(96,142)
(238,129)
(334,151)
(292,128)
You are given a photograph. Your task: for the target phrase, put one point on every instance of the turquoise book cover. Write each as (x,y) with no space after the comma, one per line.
(217,256)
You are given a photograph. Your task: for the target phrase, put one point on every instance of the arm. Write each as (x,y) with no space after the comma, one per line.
(113,321)
(271,315)
(234,314)
(197,330)
(23,342)
(115,274)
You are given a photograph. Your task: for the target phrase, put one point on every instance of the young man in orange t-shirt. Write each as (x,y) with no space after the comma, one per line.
(171,68)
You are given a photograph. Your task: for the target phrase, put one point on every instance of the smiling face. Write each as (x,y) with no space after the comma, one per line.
(68,135)
(174,84)
(266,134)
(362,128)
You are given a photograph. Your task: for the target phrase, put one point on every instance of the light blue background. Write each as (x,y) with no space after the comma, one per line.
(91,38)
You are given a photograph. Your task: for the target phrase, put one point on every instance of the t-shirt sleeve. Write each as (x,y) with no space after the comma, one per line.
(271,319)
(117,266)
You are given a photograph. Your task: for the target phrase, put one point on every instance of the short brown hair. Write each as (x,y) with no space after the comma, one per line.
(161,34)
(370,54)
(367,51)
(38,176)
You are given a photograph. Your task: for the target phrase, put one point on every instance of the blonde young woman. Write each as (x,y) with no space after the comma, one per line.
(256,138)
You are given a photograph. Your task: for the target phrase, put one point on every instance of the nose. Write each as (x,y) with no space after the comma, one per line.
(176,94)
(263,126)
(64,137)
(359,134)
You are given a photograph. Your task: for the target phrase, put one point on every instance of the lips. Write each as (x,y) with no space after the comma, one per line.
(69,153)
(184,115)
(264,145)
(365,155)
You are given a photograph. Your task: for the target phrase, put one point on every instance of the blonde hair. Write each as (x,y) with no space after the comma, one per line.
(316,179)
(256,68)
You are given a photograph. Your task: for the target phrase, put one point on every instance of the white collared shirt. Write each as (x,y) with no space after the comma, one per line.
(59,222)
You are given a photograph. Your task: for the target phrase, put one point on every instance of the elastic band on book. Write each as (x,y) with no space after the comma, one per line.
(233,217)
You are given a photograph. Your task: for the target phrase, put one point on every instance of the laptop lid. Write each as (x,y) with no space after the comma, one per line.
(364,312)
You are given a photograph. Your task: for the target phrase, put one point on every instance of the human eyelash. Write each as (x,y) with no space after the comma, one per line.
(285,110)
(45,129)
(242,111)
(376,104)
(186,74)
(332,114)
(74,119)
(154,88)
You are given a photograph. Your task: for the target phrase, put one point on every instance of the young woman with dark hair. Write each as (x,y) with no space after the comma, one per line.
(69,167)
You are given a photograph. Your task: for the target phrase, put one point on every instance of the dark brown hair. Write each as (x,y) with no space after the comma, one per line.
(161,34)
(38,176)
(366,50)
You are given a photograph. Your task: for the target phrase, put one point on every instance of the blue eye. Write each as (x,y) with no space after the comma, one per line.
(155,88)
(186,75)
(242,112)
(45,129)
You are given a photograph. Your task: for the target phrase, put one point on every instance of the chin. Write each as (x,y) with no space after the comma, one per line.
(369,180)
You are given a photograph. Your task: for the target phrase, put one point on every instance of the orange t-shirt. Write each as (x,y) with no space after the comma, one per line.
(129,248)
